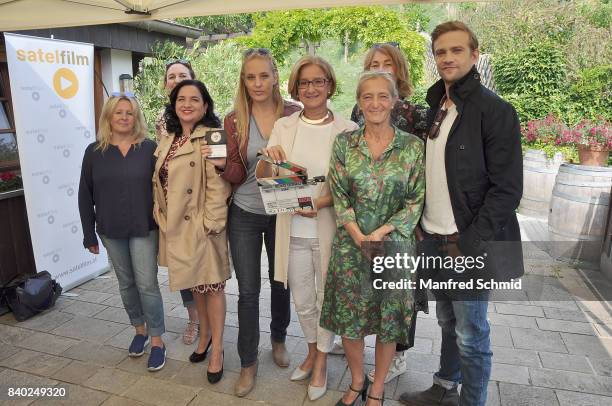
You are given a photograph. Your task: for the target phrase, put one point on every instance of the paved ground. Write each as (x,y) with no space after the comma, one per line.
(546,353)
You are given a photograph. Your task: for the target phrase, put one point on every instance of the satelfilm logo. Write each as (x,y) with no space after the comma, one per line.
(54,255)
(65,80)
(86,131)
(39,133)
(69,188)
(49,215)
(65,83)
(72,226)
(65,148)
(44,176)
(61,109)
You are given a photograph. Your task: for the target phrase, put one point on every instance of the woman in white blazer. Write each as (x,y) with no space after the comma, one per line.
(304,238)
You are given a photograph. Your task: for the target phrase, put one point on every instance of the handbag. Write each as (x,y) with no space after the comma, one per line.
(28,296)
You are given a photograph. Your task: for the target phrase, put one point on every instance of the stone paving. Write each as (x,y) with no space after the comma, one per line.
(546,353)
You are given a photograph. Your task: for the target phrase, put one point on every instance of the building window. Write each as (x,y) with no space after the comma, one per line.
(9,158)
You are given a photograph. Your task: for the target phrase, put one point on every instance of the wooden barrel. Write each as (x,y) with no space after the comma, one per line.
(539,175)
(578,211)
(605,263)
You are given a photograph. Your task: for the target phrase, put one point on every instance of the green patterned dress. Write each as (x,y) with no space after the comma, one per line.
(371,192)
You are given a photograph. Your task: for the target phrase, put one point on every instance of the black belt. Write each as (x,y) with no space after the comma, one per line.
(448,238)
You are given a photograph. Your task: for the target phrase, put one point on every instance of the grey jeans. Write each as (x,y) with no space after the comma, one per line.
(135,263)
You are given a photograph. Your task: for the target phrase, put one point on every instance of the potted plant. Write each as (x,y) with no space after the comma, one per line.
(593,138)
(546,135)
(541,163)
(10,181)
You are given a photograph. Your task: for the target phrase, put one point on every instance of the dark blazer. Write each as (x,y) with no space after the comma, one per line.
(484,170)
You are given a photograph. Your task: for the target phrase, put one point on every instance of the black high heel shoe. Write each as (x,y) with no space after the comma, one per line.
(363,392)
(214,377)
(381,399)
(199,357)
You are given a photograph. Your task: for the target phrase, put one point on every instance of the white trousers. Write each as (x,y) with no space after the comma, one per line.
(307,285)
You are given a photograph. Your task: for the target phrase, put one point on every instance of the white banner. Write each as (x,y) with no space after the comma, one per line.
(52,90)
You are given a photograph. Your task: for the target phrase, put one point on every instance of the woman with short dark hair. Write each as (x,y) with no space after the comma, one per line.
(176,71)
(191,211)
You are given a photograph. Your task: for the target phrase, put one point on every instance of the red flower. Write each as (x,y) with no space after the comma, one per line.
(6,176)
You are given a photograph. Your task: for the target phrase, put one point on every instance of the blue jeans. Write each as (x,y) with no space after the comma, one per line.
(465,354)
(247,232)
(135,263)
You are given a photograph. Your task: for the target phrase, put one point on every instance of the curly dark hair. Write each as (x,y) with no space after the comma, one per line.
(210,119)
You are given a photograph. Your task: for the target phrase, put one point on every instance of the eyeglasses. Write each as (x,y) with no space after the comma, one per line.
(256,51)
(181,61)
(129,95)
(380,44)
(318,83)
(434,130)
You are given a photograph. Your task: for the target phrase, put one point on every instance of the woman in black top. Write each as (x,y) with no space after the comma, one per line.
(406,116)
(116,200)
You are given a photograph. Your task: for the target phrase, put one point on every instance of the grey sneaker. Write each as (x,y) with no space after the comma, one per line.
(436,395)
(398,367)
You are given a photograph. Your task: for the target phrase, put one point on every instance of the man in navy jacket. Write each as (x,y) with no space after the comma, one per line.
(474,185)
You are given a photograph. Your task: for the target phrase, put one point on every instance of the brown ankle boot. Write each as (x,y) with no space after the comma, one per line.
(246,381)
(280,354)
(434,396)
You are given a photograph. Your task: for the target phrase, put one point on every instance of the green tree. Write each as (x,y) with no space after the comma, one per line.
(217,66)
(417,16)
(538,68)
(387,26)
(223,24)
(542,51)
(282,31)
(591,94)
(581,28)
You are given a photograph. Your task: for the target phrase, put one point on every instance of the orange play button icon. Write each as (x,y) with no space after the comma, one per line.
(65,83)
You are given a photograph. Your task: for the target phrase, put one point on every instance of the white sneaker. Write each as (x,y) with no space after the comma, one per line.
(337,349)
(398,367)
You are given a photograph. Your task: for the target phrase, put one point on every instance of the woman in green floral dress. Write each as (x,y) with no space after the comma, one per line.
(378,184)
(411,118)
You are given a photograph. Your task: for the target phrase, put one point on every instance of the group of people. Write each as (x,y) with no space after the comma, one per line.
(450,175)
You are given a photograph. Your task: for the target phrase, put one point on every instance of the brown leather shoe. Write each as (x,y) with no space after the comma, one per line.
(246,381)
(280,354)
(436,395)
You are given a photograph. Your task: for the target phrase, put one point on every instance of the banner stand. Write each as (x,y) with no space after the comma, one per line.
(52,84)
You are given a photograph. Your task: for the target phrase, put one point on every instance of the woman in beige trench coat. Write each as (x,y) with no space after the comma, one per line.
(190,207)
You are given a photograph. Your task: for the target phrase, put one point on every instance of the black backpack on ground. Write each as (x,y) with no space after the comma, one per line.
(26,296)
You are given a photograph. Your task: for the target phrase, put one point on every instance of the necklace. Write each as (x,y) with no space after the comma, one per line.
(314,122)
